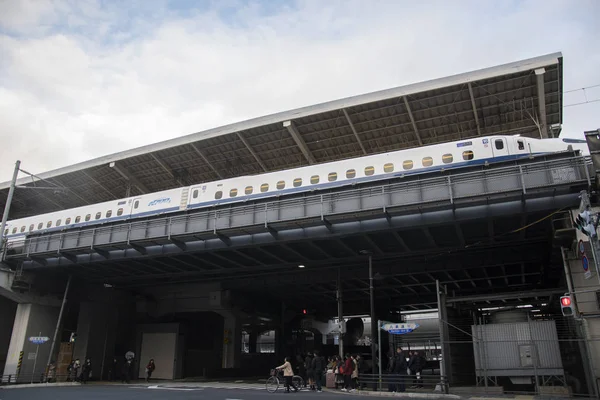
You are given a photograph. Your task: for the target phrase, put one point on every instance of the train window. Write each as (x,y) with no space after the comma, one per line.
(249,190)
(297,182)
(314,179)
(351,173)
(408,164)
(78,219)
(98,215)
(427,161)
(219,195)
(68,221)
(40,225)
(281,185)
(521,145)
(332,177)
(233,193)
(31,227)
(109,214)
(49,224)
(389,167)
(447,158)
(88,217)
(14,230)
(369,171)
(136,204)
(23,229)
(6,232)
(58,222)
(264,187)
(499,144)
(119,212)
(195,194)
(467,155)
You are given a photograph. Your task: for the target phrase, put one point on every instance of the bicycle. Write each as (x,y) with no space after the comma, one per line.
(276,379)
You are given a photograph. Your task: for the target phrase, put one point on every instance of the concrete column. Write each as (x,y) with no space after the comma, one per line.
(253,342)
(232,340)
(96,335)
(30,320)
(8,310)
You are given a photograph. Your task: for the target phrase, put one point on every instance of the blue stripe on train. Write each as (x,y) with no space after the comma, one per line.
(318,186)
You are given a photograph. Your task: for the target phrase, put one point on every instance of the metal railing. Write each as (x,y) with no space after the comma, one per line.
(26,379)
(394,382)
(518,179)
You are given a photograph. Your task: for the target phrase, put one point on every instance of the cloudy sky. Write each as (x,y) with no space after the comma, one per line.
(85,78)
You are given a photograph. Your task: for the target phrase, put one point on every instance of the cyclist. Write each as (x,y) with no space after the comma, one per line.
(288,373)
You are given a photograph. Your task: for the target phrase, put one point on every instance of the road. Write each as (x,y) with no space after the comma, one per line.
(138,392)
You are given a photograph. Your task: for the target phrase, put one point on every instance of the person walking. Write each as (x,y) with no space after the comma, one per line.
(288,373)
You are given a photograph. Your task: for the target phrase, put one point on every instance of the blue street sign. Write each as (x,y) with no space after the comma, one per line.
(586,263)
(400,329)
(38,339)
(581,247)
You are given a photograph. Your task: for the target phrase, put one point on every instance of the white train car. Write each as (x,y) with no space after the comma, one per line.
(475,151)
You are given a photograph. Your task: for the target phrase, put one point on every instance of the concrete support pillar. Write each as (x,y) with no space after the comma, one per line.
(25,358)
(253,342)
(232,340)
(96,335)
(8,310)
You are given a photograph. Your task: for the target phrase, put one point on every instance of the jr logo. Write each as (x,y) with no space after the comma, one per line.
(159,201)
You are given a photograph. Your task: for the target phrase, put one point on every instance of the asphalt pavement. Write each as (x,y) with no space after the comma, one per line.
(154,392)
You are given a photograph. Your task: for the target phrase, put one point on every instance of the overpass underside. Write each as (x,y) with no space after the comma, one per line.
(488,235)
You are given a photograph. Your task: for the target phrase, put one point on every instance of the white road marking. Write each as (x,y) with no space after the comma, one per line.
(173,388)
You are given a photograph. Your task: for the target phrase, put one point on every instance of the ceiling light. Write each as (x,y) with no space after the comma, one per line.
(300,266)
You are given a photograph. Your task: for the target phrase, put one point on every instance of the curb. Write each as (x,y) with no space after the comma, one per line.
(410,395)
(40,385)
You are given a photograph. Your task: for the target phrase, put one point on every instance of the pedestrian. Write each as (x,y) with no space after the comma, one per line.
(86,371)
(288,373)
(150,369)
(347,372)
(318,367)
(400,370)
(310,373)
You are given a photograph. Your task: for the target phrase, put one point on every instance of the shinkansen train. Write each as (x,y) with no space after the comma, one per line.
(419,160)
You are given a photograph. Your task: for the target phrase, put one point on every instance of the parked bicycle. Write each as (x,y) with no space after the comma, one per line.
(276,378)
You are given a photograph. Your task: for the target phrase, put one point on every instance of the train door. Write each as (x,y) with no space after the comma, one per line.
(135,207)
(500,147)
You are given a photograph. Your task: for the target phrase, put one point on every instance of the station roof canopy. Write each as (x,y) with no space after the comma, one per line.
(503,99)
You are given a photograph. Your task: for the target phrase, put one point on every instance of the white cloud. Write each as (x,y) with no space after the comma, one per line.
(79,81)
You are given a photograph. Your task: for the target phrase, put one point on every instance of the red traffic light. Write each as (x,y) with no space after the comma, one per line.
(565,301)
(304,311)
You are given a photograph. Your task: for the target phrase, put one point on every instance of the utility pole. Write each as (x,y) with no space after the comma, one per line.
(11,192)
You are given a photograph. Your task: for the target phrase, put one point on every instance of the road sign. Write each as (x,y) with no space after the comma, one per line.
(39,339)
(399,329)
(586,267)
(581,247)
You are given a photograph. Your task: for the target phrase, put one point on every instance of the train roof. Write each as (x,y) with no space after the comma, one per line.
(491,101)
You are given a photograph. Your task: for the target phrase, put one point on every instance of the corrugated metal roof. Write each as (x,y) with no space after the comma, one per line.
(504,100)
